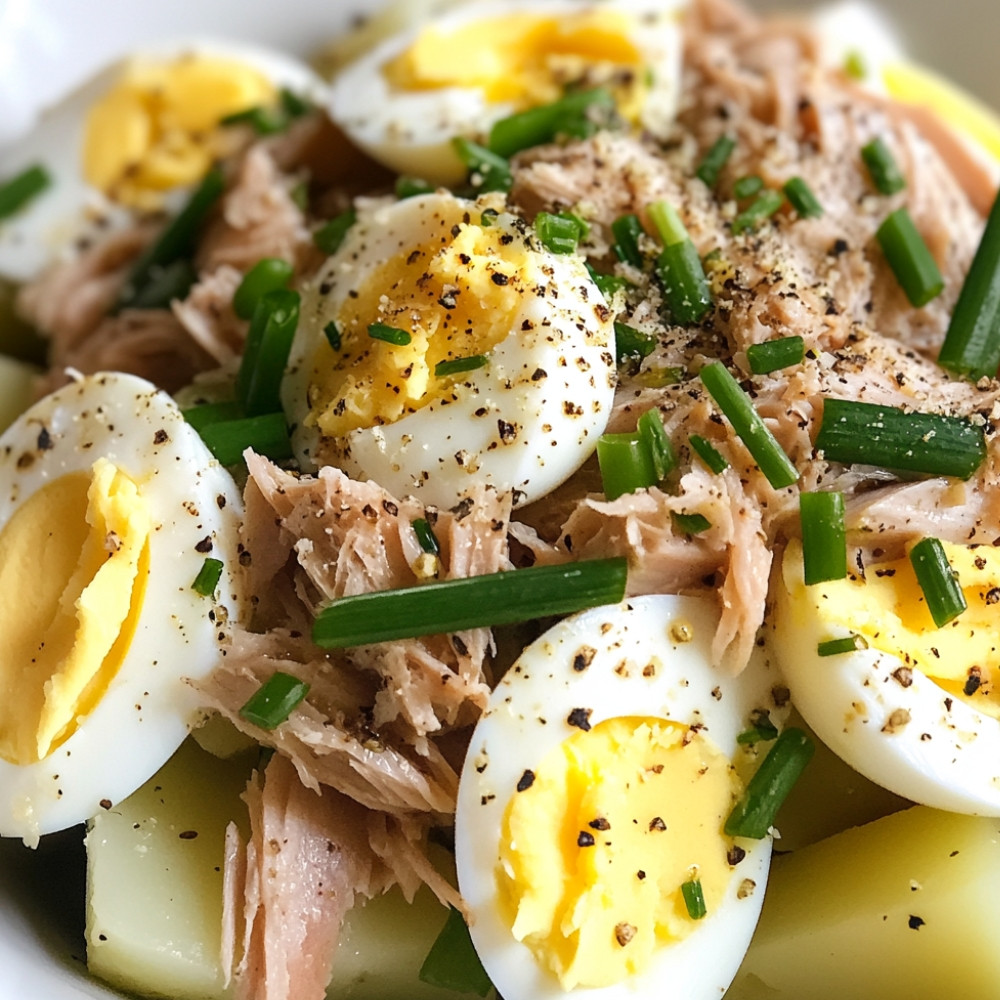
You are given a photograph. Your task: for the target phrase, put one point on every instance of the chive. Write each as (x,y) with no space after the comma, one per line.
(736,405)
(694,899)
(560,232)
(632,345)
(265,353)
(691,524)
(747,187)
(390,334)
(411,187)
(762,729)
(626,464)
(870,434)
(208,577)
(452,962)
(627,230)
(607,284)
(715,159)
(910,259)
(972,344)
(201,416)
(266,434)
(456,366)
(802,199)
(682,278)
(272,703)
(938,581)
(164,284)
(845,644)
(267,275)
(653,436)
(294,105)
(488,217)
(300,196)
(263,120)
(708,453)
(824,536)
(761,208)
(773,355)
(882,167)
(668,223)
(572,115)
(855,65)
(487,170)
(754,813)
(331,234)
(473,602)
(332,333)
(22,188)
(425,536)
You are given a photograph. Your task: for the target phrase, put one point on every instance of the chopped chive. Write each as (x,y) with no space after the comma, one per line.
(425,536)
(747,187)
(653,436)
(668,223)
(272,703)
(658,377)
(263,120)
(627,230)
(300,195)
(845,644)
(472,602)
(708,453)
(761,208)
(762,729)
(607,284)
(208,577)
(691,524)
(972,344)
(164,284)
(853,432)
(626,464)
(488,217)
(267,275)
(715,159)
(682,279)
(332,333)
(882,167)
(331,234)
(754,813)
(456,366)
(694,899)
(802,199)
(22,188)
(452,962)
(204,414)
(577,114)
(390,334)
(294,105)
(751,429)
(560,233)
(411,187)
(938,581)
(632,345)
(773,355)
(855,65)
(487,170)
(824,536)
(266,434)
(910,259)
(265,353)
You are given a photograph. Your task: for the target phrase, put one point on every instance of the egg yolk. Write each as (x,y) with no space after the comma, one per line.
(73,565)
(455,299)
(887,608)
(158,127)
(599,839)
(527,59)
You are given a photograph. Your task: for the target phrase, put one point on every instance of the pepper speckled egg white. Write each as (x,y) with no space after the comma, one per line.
(111,506)
(452,285)
(597,783)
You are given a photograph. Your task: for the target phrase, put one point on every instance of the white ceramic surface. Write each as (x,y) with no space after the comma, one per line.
(46,47)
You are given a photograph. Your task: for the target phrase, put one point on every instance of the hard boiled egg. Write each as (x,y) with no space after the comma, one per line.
(917,710)
(596,786)
(442,347)
(111,506)
(405,100)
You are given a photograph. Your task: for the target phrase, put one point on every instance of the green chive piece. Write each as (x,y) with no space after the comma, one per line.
(694,899)
(668,223)
(164,284)
(682,278)
(456,366)
(747,187)
(754,813)
(294,105)
(487,170)
(910,259)
(607,284)
(265,353)
(560,233)
(708,453)
(452,963)
(845,644)
(23,188)
(824,536)
(972,344)
(488,217)
(472,602)
(390,334)
(853,432)
(577,114)
(263,120)
(882,167)
(272,703)
(715,159)
(632,345)
(411,187)
(332,333)
(201,416)
(802,199)
(762,729)
(751,429)
(425,536)
(626,464)
(266,434)
(938,581)
(267,275)
(653,436)
(691,524)
(331,234)
(208,577)
(855,65)
(773,355)
(627,231)
(761,208)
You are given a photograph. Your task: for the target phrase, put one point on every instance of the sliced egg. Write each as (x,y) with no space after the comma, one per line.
(406,99)
(596,785)
(137,136)
(111,506)
(449,286)
(917,710)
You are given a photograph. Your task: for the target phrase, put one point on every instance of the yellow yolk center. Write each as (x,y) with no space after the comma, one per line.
(887,608)
(73,567)
(455,301)
(599,841)
(158,127)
